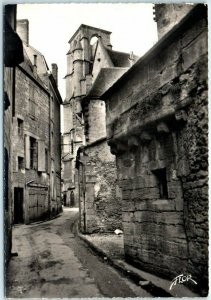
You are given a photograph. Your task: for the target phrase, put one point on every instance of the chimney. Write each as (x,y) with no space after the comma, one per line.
(22,29)
(35,65)
(55,72)
(131,58)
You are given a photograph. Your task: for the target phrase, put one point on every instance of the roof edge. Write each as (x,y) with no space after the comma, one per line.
(87,26)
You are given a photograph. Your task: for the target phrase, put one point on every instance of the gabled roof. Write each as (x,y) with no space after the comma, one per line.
(104,80)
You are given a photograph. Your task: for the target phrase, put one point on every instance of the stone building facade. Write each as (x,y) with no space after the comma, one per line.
(36,132)
(85,58)
(12,57)
(157,126)
(92,68)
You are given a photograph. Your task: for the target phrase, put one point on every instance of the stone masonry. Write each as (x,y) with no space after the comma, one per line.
(157,126)
(37,128)
(100,205)
(36,132)
(12,57)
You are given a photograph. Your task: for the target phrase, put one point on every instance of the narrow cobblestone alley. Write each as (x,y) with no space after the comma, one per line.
(53,262)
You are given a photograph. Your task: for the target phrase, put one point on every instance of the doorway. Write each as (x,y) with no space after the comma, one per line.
(18,205)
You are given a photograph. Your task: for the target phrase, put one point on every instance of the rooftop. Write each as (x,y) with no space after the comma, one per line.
(88,27)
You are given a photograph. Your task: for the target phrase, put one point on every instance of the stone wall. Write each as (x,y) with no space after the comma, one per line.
(96,121)
(157,126)
(99,190)
(55,154)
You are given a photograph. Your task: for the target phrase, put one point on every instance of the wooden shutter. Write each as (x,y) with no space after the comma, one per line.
(41,156)
(27,152)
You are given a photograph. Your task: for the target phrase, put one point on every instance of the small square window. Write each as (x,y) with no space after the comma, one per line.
(20,163)
(46,160)
(20,127)
(162,182)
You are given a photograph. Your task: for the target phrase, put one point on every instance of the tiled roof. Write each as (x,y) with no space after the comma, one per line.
(104,80)
(120,59)
(28,67)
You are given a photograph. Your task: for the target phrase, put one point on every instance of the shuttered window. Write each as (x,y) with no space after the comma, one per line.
(33,153)
(41,156)
(27,152)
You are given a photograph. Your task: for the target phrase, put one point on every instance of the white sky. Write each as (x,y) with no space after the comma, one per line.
(52,25)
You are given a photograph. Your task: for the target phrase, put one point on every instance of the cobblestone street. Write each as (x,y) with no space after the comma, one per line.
(52,262)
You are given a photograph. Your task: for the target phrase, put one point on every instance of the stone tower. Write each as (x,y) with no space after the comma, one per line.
(78,82)
(168,15)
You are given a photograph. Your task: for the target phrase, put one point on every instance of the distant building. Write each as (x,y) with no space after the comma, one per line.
(92,68)
(12,57)
(36,137)
(78,82)
(157,126)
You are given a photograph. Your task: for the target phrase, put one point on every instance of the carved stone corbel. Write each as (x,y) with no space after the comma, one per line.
(181,115)
(145,136)
(122,146)
(163,128)
(133,141)
(113,149)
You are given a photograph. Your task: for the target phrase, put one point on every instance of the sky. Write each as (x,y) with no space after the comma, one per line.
(52,25)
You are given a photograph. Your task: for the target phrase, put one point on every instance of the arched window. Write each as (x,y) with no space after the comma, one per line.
(93,45)
(93,40)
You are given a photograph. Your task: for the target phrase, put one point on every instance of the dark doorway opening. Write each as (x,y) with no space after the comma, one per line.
(162,182)
(18,205)
(72,199)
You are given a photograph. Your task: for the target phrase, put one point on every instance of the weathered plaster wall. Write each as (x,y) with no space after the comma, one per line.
(157,118)
(102,196)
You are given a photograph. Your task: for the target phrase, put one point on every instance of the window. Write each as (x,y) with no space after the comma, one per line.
(41,156)
(46,160)
(72,146)
(162,182)
(33,153)
(32,104)
(20,127)
(20,163)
